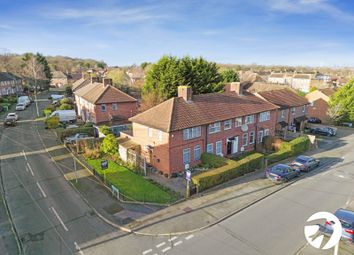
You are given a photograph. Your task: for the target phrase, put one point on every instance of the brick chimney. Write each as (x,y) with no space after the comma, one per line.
(236,87)
(185,92)
(107,82)
(94,79)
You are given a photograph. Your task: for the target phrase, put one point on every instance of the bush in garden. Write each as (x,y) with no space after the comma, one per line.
(109,145)
(52,122)
(105,130)
(66,101)
(65,107)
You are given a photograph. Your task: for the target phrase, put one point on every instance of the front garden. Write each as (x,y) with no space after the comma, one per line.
(6,102)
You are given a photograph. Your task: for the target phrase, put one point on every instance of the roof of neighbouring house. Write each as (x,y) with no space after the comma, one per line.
(80,83)
(328,91)
(302,76)
(177,114)
(283,98)
(97,93)
(277,75)
(58,74)
(5,76)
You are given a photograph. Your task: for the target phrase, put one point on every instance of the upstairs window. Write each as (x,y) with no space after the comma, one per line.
(238,122)
(293,110)
(103,107)
(227,124)
(214,128)
(249,119)
(114,107)
(190,133)
(264,116)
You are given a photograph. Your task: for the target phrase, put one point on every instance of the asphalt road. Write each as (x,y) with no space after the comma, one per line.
(49,215)
(272,226)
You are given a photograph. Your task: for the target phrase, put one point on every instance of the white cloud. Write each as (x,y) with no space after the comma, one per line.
(309,7)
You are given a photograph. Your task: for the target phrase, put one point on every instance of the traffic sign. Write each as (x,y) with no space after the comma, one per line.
(188,175)
(104,164)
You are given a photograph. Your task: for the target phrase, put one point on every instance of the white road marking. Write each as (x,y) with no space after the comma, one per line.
(166,249)
(160,244)
(341,176)
(172,239)
(178,243)
(77,247)
(42,191)
(147,251)
(30,168)
(26,169)
(24,154)
(189,237)
(58,217)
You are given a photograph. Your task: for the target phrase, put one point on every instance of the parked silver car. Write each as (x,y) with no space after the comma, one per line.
(305,163)
(20,107)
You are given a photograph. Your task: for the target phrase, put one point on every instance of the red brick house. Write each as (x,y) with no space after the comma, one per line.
(174,134)
(101,102)
(319,103)
(10,84)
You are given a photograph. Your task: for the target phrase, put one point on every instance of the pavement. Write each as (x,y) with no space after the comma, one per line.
(248,216)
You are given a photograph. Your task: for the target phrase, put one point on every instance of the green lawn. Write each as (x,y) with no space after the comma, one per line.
(132,185)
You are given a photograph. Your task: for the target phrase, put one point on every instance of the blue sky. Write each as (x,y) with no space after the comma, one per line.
(290,32)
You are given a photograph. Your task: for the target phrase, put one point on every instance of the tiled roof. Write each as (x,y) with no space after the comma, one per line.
(328,91)
(284,98)
(277,75)
(58,74)
(80,83)
(5,76)
(177,114)
(97,93)
(302,76)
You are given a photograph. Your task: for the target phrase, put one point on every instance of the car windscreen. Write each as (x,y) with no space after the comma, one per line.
(301,160)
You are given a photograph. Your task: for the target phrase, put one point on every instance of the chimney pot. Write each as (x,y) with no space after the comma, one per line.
(185,92)
(236,87)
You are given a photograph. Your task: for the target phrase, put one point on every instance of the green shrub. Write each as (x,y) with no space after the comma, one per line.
(105,130)
(300,145)
(88,124)
(109,145)
(278,156)
(231,170)
(52,122)
(50,107)
(210,160)
(66,101)
(65,107)
(46,112)
(63,133)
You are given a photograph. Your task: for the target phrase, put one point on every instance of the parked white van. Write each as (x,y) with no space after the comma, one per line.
(65,116)
(24,100)
(56,97)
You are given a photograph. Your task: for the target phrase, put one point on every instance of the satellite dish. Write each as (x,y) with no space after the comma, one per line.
(244,128)
(186,166)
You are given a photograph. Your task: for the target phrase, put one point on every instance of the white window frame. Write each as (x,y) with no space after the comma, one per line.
(210,148)
(218,145)
(260,136)
(238,122)
(186,151)
(293,110)
(103,108)
(304,108)
(253,135)
(264,116)
(191,133)
(114,107)
(283,114)
(227,124)
(244,139)
(249,119)
(196,148)
(214,128)
(266,132)
(150,132)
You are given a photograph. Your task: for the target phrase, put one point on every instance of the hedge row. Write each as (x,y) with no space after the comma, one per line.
(210,160)
(63,133)
(231,170)
(288,149)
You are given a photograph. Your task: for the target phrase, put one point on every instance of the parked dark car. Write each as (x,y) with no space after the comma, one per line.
(327,131)
(305,163)
(10,121)
(314,120)
(346,218)
(281,173)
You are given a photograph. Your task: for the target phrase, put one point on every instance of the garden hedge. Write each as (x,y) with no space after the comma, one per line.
(63,133)
(231,170)
(210,160)
(288,149)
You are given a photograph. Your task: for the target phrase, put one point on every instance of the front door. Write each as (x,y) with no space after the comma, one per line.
(235,145)
(229,147)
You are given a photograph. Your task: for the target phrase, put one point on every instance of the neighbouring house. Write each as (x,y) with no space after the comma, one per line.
(136,76)
(292,110)
(10,84)
(173,135)
(319,103)
(80,83)
(59,79)
(101,102)
(301,82)
(278,78)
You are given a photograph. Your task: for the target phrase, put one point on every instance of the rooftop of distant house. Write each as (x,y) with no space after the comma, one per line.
(5,76)
(284,98)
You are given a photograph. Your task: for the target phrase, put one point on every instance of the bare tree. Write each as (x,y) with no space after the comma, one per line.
(33,68)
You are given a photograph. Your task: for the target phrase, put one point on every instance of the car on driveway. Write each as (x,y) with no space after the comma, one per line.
(281,173)
(13,114)
(314,120)
(20,107)
(346,218)
(305,163)
(327,131)
(10,121)
(73,139)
